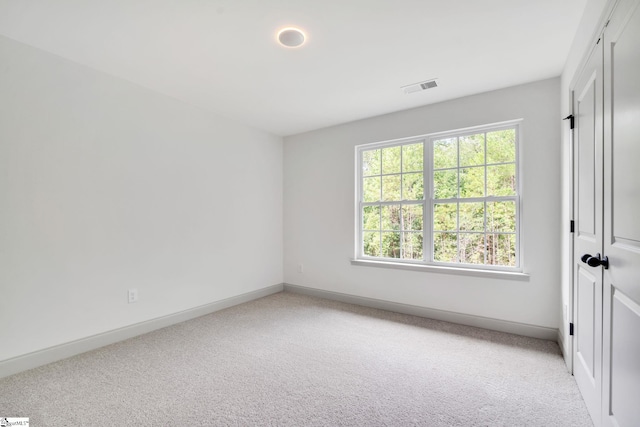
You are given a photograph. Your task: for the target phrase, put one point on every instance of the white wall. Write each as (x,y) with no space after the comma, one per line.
(319,209)
(106,186)
(591,24)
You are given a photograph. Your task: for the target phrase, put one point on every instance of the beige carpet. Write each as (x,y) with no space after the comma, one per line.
(293,360)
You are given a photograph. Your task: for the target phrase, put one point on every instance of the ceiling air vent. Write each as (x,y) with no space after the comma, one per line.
(418,87)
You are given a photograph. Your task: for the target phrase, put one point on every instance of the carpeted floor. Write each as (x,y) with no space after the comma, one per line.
(293,360)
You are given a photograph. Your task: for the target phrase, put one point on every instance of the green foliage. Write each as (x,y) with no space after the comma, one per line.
(501,146)
(501,216)
(412,217)
(412,246)
(371,218)
(472,182)
(371,243)
(412,186)
(501,180)
(471,216)
(445,153)
(371,162)
(391,188)
(371,189)
(471,150)
(471,248)
(445,247)
(390,217)
(445,217)
(412,158)
(445,184)
(501,249)
(391,160)
(391,245)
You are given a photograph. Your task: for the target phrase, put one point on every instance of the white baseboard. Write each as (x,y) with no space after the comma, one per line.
(62,351)
(524,329)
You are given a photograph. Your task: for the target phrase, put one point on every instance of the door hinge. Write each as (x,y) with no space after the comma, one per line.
(573,226)
(570,117)
(570,329)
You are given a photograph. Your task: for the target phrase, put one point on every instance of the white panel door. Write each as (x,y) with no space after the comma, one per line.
(621,321)
(587,109)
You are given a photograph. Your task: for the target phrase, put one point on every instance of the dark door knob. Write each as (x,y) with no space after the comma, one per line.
(595,261)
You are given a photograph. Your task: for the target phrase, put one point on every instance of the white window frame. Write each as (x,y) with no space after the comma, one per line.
(428,202)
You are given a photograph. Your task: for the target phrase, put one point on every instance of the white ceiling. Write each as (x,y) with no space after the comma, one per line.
(221,55)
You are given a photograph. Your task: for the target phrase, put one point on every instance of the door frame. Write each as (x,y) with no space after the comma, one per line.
(570,316)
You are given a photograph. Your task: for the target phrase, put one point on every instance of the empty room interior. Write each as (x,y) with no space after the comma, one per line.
(320,213)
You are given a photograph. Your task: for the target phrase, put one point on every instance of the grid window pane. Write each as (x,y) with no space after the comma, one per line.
(371,218)
(371,162)
(411,245)
(471,216)
(445,153)
(445,217)
(501,180)
(391,160)
(445,247)
(471,248)
(412,158)
(371,243)
(412,217)
(391,245)
(472,150)
(445,184)
(371,189)
(390,217)
(501,146)
(501,216)
(391,188)
(412,186)
(472,182)
(501,249)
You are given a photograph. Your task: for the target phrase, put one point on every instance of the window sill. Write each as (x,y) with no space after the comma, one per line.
(509,275)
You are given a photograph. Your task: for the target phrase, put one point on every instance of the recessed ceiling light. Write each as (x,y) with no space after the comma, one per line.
(291,37)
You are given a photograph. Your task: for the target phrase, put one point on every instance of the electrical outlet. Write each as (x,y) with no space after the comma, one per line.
(133,295)
(300,268)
